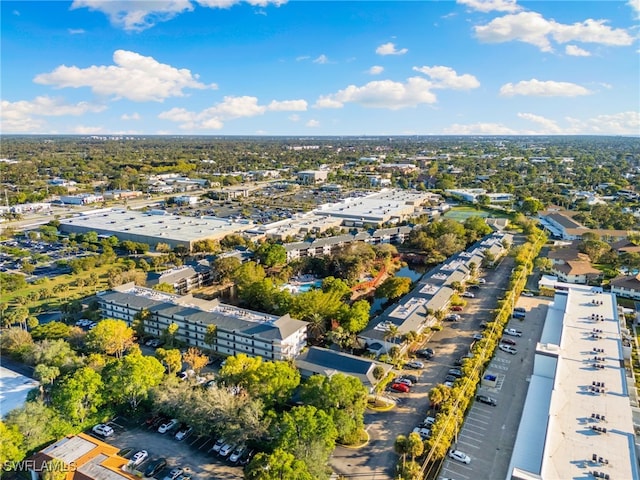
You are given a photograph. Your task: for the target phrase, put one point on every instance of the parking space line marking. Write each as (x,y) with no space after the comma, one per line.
(469,417)
(471,438)
(478,430)
(462,442)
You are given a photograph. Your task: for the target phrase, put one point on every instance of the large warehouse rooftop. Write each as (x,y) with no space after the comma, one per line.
(377,208)
(152,227)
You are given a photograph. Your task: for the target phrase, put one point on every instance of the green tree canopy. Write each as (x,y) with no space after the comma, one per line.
(129,379)
(79,395)
(279,465)
(393,287)
(271,254)
(51,331)
(11,448)
(110,336)
(170,358)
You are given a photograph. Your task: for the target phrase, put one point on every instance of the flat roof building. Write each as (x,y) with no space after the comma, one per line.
(153,227)
(577,420)
(386,206)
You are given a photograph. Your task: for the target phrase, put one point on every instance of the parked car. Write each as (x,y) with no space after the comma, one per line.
(174,473)
(483,325)
(427,422)
(218,445)
(455,372)
(478,336)
(246,457)
(184,432)
(528,294)
(482,280)
(453,317)
(226,449)
(139,457)
(404,381)
(424,433)
(513,332)
(450,378)
(467,295)
(237,452)
(400,387)
(427,353)
(486,399)
(507,348)
(155,466)
(508,341)
(460,456)
(103,430)
(415,364)
(165,427)
(411,378)
(456,308)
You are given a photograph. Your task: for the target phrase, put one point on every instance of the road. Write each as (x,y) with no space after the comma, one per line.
(377,460)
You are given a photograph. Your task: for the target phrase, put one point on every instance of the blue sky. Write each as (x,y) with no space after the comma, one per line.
(265,67)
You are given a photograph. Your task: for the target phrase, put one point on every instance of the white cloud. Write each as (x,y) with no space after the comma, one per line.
(576,51)
(635,6)
(134,77)
(479,129)
(294,117)
(491,5)
(446,77)
(133,116)
(548,126)
(539,88)
(230,108)
(23,116)
(376,70)
(312,123)
(533,28)
(136,15)
(623,123)
(75,31)
(322,59)
(288,106)
(390,49)
(382,94)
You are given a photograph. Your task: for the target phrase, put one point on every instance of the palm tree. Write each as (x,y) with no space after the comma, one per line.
(317,326)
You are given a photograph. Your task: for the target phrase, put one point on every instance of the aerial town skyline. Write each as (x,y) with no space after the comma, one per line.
(320,68)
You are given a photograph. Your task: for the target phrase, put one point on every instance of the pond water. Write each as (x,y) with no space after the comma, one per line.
(411,271)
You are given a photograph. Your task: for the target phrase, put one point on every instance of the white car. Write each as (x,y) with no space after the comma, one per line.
(103,430)
(218,445)
(226,449)
(424,433)
(184,433)
(467,295)
(513,332)
(237,453)
(165,427)
(528,294)
(507,348)
(460,456)
(406,381)
(139,457)
(415,364)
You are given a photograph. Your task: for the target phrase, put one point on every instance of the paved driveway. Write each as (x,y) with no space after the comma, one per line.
(377,460)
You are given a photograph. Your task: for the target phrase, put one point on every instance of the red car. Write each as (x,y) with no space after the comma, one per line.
(508,341)
(456,309)
(400,387)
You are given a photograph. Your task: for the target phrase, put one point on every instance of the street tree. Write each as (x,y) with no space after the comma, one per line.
(279,465)
(169,333)
(195,359)
(110,336)
(170,358)
(310,435)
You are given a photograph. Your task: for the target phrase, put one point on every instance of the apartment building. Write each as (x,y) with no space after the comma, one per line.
(237,330)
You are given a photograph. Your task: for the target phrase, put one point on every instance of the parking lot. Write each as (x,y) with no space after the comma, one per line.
(488,433)
(377,460)
(191,454)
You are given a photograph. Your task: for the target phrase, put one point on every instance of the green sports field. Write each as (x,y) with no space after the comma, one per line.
(460,214)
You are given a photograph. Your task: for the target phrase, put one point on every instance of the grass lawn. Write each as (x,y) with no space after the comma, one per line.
(72,293)
(462,212)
